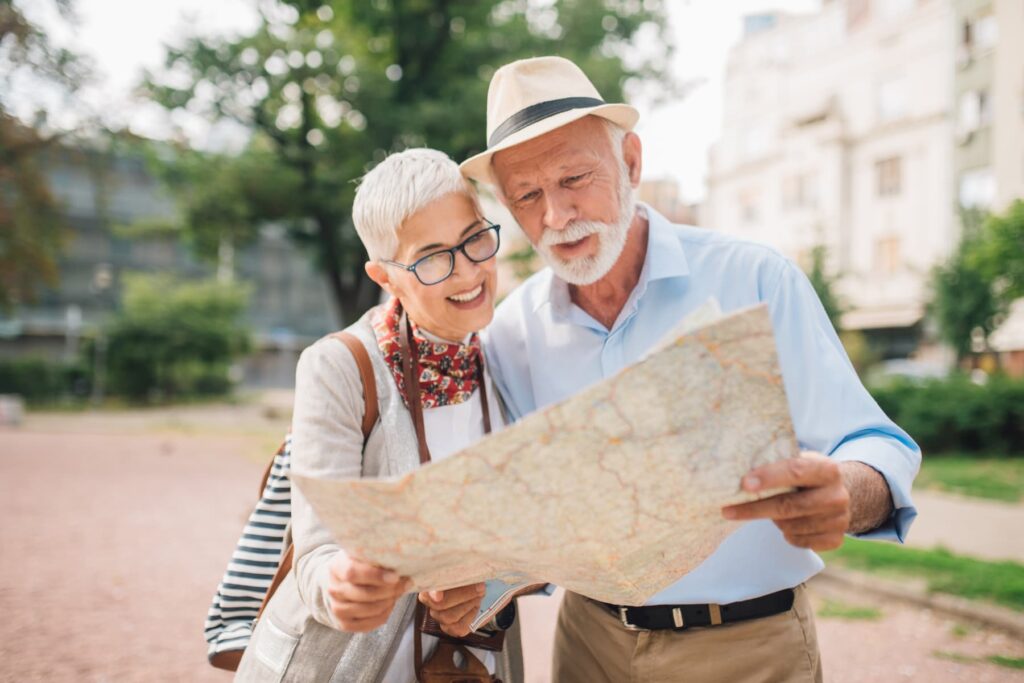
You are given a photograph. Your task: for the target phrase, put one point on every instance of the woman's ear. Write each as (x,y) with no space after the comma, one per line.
(379,274)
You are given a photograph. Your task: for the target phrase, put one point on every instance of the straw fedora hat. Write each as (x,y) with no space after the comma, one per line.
(531,97)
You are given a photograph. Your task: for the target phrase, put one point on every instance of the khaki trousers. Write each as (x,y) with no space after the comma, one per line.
(592,646)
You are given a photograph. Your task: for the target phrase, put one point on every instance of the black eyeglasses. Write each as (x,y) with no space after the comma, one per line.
(438,266)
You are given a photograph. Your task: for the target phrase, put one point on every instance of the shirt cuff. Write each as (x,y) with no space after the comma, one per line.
(898,464)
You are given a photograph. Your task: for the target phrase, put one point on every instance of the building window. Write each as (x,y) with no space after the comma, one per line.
(887,254)
(756,141)
(888,174)
(975,112)
(967,35)
(986,33)
(799,191)
(977,188)
(891,99)
(891,9)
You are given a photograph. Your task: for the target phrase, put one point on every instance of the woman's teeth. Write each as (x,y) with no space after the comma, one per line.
(467,296)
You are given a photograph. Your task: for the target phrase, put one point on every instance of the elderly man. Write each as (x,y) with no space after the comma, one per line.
(620,276)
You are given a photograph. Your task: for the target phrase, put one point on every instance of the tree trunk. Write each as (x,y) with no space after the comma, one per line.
(341,298)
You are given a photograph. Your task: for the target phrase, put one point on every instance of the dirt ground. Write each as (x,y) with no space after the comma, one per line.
(114,534)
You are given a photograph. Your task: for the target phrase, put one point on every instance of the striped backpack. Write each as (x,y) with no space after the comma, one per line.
(263,555)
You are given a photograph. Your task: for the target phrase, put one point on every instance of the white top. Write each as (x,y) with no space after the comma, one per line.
(449,429)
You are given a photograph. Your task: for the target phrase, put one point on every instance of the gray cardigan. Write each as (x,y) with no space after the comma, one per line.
(295,639)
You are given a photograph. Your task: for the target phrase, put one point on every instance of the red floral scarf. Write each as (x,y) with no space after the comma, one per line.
(449,372)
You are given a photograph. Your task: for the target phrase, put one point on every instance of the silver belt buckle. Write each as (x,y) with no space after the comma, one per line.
(625,620)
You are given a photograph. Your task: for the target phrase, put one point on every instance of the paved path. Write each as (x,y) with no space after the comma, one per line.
(969,526)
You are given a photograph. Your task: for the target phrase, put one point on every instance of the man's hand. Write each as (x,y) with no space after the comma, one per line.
(456,608)
(362,595)
(815,516)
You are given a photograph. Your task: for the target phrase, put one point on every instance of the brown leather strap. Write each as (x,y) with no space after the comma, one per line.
(483,396)
(417,640)
(411,374)
(370,409)
(266,472)
(282,571)
(371,412)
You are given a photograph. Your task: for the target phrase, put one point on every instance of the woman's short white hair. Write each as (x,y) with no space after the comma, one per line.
(397,188)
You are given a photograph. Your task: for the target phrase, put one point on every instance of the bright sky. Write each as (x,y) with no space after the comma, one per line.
(125,36)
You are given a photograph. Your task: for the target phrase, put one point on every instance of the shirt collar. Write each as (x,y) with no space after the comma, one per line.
(665,258)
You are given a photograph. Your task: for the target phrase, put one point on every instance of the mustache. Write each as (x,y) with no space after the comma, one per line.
(573,232)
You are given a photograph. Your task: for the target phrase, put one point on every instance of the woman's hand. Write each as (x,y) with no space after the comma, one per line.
(456,608)
(361,595)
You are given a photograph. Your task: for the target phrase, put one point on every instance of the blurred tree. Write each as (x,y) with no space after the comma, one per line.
(31,226)
(331,88)
(175,339)
(963,303)
(1000,252)
(222,200)
(824,284)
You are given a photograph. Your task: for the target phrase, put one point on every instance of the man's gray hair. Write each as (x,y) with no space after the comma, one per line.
(397,188)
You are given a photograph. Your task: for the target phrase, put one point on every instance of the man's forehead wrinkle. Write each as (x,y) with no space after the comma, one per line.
(524,167)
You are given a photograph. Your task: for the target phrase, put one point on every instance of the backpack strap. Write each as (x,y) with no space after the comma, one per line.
(370,409)
(370,414)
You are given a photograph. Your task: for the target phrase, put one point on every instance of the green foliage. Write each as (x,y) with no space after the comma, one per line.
(32,231)
(979,281)
(955,414)
(222,200)
(824,285)
(835,609)
(329,89)
(861,354)
(1008,662)
(977,476)
(41,381)
(963,300)
(175,339)
(945,572)
(1000,256)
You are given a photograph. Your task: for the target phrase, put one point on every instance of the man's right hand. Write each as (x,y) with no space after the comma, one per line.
(361,595)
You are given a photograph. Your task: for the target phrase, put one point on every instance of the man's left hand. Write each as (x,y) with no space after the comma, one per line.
(815,516)
(456,608)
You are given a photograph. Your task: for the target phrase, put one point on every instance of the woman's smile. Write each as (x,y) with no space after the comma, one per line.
(470,298)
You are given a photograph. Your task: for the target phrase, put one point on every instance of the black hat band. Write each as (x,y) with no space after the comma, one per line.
(538,112)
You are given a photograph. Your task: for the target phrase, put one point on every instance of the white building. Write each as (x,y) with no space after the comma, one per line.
(838,131)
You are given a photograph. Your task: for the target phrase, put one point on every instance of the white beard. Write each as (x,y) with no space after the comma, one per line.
(611,239)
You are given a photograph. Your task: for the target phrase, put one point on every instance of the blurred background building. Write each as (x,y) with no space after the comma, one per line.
(100,190)
(867,128)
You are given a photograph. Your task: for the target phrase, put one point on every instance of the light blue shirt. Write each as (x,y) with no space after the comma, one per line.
(542,348)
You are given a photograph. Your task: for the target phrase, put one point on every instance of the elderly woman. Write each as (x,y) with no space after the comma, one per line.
(335,617)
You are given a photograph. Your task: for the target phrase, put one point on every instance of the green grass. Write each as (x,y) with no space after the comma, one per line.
(1008,662)
(955,657)
(944,572)
(962,630)
(1000,660)
(834,609)
(980,477)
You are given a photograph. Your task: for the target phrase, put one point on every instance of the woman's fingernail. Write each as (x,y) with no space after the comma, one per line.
(436,596)
(751,483)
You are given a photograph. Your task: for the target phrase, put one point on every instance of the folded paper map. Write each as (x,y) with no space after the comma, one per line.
(614,493)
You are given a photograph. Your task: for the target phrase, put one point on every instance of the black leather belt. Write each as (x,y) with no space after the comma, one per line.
(678,617)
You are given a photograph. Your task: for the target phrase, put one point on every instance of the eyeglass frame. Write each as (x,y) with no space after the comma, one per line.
(461,246)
